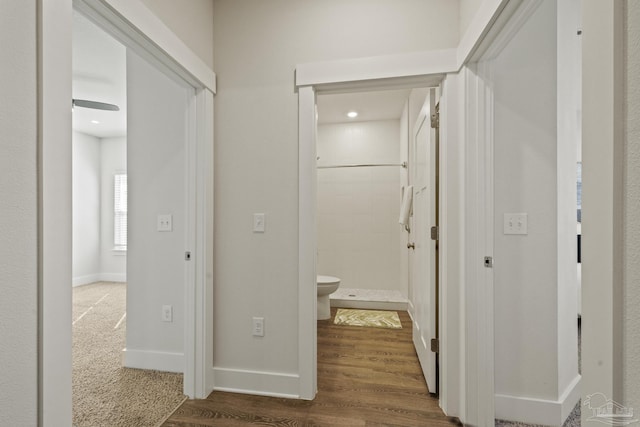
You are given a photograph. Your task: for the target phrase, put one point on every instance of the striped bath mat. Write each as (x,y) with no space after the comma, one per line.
(368,318)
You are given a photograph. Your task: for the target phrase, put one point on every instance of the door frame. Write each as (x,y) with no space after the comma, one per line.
(425,69)
(134,25)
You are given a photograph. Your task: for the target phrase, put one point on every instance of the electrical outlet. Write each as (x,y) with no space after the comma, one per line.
(167,313)
(258,327)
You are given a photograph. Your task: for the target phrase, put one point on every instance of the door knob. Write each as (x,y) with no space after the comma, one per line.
(411,245)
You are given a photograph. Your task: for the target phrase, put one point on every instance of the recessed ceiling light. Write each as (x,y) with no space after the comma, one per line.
(352,114)
(95,122)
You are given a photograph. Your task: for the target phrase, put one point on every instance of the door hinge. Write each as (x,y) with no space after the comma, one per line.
(435,232)
(435,345)
(488,262)
(187,256)
(435,118)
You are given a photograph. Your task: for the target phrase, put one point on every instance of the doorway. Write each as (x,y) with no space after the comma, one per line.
(159,46)
(308,215)
(137,152)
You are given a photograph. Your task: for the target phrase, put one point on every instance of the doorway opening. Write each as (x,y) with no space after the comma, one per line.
(104,374)
(374,149)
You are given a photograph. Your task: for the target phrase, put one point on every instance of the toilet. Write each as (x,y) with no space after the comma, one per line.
(326,286)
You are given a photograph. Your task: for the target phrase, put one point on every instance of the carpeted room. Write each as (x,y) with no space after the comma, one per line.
(104,392)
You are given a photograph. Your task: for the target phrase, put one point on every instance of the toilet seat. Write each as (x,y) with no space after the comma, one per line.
(327,280)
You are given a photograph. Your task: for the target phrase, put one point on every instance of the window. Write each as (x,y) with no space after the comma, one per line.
(120,212)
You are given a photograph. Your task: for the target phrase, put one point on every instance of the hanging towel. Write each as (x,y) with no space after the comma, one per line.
(405,209)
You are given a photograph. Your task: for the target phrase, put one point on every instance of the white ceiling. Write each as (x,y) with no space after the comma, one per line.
(379,105)
(99,74)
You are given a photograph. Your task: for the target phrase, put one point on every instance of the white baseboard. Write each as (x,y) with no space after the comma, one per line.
(156,360)
(261,383)
(369,305)
(85,280)
(98,277)
(538,411)
(113,277)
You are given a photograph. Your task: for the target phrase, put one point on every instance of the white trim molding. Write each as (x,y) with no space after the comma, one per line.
(113,277)
(406,65)
(54,22)
(85,280)
(479,313)
(262,383)
(157,360)
(98,277)
(539,411)
(307,244)
(603,205)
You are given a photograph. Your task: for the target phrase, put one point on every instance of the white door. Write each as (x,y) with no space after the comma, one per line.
(424,272)
(157,159)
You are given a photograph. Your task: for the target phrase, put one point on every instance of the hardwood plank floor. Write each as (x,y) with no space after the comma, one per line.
(366,377)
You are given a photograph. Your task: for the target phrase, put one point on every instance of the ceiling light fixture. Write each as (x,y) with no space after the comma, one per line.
(352,114)
(93,104)
(95,122)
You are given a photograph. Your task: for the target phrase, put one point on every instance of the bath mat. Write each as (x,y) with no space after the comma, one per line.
(368,318)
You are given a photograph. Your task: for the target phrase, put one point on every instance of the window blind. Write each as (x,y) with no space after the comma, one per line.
(120,211)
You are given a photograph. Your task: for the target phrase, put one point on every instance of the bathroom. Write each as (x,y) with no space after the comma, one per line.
(362,150)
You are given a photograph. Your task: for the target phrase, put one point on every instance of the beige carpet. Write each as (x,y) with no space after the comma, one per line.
(104,393)
(367,318)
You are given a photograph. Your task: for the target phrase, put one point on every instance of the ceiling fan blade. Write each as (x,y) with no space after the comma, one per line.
(95,105)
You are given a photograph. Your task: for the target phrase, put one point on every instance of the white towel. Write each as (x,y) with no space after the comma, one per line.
(405,209)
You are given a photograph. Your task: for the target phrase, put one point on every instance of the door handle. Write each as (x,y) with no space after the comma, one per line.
(411,246)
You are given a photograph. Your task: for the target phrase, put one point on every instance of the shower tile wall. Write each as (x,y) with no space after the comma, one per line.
(358,208)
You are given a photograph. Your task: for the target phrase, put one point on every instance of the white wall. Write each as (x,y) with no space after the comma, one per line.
(468,9)
(535,321)
(631,391)
(113,159)
(95,161)
(192,24)
(257,46)
(156,143)
(86,208)
(358,208)
(18,192)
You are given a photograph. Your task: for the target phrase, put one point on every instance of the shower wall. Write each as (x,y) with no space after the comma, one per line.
(358,208)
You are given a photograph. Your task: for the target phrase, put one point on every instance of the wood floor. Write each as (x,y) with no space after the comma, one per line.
(366,377)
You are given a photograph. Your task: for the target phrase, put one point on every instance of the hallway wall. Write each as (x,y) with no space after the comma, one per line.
(257,47)
(193,24)
(18,229)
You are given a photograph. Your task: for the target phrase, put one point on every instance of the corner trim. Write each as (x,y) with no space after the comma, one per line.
(538,411)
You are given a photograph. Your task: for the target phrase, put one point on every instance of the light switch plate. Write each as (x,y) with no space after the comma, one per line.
(515,223)
(258,222)
(165,222)
(167,313)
